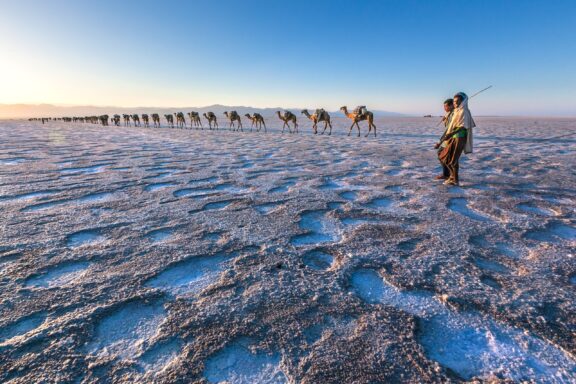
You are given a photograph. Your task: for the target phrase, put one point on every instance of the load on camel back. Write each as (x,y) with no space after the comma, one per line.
(360,110)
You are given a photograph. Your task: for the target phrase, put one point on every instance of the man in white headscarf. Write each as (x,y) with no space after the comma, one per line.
(458,137)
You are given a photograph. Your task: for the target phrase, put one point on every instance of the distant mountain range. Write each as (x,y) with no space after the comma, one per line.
(16,111)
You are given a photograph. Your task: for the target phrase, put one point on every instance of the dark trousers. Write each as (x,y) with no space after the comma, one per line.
(445,169)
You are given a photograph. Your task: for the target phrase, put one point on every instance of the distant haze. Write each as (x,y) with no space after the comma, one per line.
(18,111)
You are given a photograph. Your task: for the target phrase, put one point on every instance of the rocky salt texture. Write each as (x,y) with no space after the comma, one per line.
(166,255)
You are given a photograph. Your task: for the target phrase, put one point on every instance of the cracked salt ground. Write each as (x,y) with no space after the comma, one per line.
(469,343)
(276,267)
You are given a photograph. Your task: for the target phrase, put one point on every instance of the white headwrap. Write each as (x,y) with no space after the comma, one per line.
(462,117)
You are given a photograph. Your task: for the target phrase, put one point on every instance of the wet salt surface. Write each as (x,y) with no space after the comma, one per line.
(124,332)
(320,229)
(20,327)
(190,276)
(468,343)
(166,295)
(86,237)
(238,364)
(60,275)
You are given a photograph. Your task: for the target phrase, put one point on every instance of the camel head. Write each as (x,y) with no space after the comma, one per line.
(304,111)
(343,109)
(248,115)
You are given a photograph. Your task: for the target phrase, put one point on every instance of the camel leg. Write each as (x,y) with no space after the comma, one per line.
(374,129)
(358,126)
(350,131)
(264,127)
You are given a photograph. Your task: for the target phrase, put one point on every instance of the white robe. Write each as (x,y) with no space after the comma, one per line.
(462,117)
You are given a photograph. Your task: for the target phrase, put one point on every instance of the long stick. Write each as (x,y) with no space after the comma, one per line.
(479,92)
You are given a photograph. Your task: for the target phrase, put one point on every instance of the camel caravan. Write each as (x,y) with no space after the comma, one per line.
(178,120)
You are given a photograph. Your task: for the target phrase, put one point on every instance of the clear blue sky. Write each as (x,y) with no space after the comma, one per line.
(397,55)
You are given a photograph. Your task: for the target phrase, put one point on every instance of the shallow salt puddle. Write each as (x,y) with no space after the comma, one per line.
(321,230)
(93,198)
(60,275)
(460,205)
(329,185)
(349,195)
(160,356)
(160,235)
(217,205)
(468,343)
(83,170)
(19,328)
(157,186)
(124,332)
(191,276)
(194,192)
(318,260)
(237,364)
(13,160)
(28,196)
(85,237)
(267,208)
(381,203)
(529,208)
(86,199)
(553,232)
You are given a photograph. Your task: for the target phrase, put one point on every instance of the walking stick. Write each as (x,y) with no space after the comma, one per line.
(479,92)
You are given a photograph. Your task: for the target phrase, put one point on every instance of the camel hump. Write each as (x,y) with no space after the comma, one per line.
(361,109)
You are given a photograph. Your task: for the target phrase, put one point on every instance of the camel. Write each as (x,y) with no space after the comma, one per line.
(211,117)
(156,120)
(319,115)
(104,119)
(169,120)
(195,119)
(136,120)
(116,120)
(286,118)
(257,120)
(357,116)
(146,120)
(126,120)
(234,116)
(180,120)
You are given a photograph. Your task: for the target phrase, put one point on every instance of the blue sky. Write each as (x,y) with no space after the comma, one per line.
(403,56)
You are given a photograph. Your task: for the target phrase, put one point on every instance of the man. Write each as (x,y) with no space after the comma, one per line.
(448,108)
(458,137)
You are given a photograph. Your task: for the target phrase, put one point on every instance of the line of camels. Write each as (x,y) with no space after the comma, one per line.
(234,120)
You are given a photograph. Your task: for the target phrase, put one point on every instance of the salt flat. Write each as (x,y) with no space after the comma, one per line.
(162,255)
